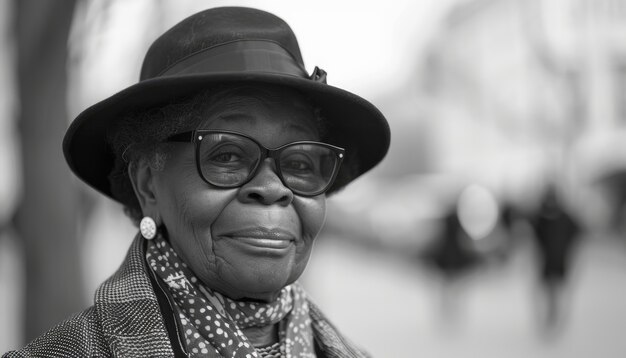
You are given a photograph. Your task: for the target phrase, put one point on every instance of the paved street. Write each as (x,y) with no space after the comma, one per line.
(393,308)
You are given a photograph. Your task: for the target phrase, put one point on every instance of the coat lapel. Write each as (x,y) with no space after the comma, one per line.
(129,311)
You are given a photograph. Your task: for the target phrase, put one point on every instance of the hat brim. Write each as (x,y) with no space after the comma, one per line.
(353,122)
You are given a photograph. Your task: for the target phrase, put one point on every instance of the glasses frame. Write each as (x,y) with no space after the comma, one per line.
(196,137)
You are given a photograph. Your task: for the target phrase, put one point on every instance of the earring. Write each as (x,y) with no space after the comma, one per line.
(148,228)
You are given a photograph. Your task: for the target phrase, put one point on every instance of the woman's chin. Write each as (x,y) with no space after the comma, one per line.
(259,276)
(262,286)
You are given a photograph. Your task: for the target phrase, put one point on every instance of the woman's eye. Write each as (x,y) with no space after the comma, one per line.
(298,165)
(226,157)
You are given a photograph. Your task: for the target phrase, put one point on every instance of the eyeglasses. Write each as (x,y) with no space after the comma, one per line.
(228,159)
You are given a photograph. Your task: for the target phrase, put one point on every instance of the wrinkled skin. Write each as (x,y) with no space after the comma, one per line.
(210,227)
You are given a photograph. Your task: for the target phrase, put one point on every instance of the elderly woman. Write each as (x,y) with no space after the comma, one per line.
(223,154)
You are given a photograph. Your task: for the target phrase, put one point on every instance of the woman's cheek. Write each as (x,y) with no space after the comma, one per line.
(312,213)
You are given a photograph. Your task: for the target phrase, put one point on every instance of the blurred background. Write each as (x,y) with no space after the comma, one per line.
(494,227)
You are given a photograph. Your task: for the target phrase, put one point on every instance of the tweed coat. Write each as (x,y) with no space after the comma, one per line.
(132,317)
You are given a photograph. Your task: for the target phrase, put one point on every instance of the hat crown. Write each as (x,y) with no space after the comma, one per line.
(214,27)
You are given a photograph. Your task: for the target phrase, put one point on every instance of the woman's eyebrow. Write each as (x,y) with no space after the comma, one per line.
(239,116)
(299,127)
(236,116)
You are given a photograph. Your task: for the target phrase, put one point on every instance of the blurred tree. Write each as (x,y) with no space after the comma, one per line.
(46,217)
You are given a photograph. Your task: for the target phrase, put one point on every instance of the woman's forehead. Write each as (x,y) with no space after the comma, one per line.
(288,114)
(270,128)
(252,118)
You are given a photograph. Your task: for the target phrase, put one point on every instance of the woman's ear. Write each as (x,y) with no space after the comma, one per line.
(142,178)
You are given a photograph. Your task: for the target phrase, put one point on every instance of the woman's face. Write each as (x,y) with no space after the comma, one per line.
(249,241)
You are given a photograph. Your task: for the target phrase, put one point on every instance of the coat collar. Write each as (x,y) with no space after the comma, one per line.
(129,311)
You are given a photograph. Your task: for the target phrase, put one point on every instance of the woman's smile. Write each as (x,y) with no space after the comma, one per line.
(273,239)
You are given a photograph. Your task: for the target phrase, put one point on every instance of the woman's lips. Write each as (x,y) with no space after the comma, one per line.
(263,237)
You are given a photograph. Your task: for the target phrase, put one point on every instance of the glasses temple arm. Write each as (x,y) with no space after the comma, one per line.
(181,137)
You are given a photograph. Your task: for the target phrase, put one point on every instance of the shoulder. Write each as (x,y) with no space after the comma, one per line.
(125,319)
(78,336)
(329,342)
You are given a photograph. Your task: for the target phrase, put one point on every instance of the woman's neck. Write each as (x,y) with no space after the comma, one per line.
(262,336)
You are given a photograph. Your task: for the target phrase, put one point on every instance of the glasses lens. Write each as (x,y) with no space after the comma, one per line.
(307,168)
(226,160)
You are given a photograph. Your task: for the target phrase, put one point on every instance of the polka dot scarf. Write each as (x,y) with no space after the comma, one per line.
(213,322)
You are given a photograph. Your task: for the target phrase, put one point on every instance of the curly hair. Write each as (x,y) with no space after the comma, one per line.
(141,135)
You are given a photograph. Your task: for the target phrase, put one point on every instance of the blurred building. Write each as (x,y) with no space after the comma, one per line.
(509,95)
(527,91)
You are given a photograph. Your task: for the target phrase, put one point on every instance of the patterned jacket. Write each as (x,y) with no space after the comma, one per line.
(133,317)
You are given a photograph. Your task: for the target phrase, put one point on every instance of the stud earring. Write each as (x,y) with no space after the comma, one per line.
(148,228)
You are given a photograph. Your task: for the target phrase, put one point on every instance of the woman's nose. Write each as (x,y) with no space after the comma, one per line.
(266,187)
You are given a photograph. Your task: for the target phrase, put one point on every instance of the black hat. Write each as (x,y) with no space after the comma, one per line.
(221,46)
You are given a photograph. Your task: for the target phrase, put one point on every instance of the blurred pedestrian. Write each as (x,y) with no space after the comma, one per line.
(451,253)
(555,232)
(451,257)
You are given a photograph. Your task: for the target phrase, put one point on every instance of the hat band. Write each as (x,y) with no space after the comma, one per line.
(239,56)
